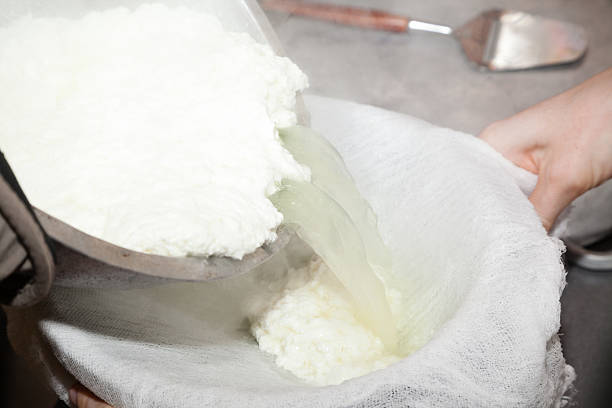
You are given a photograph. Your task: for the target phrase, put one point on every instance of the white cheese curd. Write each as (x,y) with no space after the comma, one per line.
(154,129)
(313,331)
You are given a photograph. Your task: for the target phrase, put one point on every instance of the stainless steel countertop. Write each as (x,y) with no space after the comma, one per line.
(427,76)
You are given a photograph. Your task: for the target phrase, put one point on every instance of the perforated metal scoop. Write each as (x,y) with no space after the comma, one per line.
(499,40)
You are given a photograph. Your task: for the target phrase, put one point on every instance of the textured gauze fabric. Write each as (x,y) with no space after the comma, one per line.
(484,275)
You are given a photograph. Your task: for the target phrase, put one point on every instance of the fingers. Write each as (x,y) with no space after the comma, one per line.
(81,397)
(550,199)
(501,135)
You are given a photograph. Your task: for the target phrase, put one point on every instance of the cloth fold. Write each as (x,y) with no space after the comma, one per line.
(466,243)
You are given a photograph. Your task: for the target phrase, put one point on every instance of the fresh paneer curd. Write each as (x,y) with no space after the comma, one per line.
(313,331)
(154,129)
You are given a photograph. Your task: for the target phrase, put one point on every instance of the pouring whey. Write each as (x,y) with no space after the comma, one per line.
(314,332)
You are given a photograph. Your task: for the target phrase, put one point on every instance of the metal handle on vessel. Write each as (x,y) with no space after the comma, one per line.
(27,266)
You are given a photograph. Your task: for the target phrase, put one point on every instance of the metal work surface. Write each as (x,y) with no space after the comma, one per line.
(429,77)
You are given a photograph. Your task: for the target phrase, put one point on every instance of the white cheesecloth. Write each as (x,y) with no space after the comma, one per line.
(485,278)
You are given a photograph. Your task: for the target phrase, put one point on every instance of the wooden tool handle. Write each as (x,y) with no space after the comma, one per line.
(377,20)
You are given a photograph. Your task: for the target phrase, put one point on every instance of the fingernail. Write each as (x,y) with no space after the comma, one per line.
(73,396)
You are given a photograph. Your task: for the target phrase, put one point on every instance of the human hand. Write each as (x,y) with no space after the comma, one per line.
(81,397)
(565,140)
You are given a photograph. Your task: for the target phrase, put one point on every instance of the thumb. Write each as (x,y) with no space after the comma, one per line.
(550,199)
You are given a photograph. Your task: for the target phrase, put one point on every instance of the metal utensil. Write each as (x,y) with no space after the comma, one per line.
(74,246)
(499,40)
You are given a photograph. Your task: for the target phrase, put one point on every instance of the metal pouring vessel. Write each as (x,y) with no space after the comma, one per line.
(114,266)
